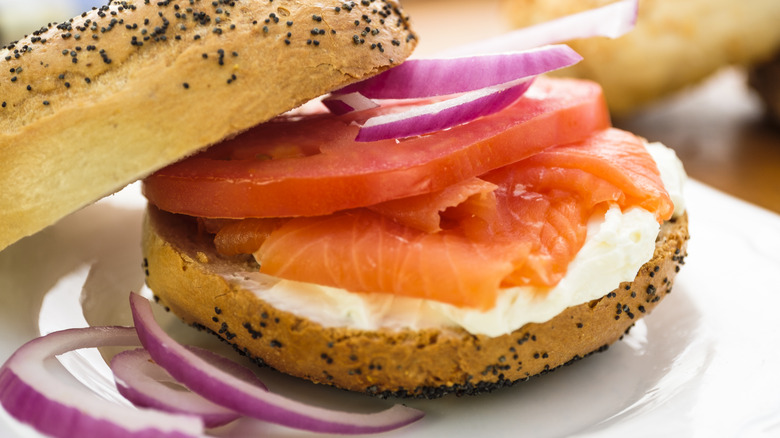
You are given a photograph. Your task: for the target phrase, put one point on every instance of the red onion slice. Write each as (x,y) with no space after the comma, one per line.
(442,115)
(225,389)
(496,81)
(611,21)
(417,78)
(147,384)
(33,394)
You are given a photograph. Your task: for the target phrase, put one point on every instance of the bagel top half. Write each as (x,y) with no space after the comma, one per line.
(101,100)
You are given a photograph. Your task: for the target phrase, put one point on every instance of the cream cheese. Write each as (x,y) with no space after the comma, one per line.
(617,245)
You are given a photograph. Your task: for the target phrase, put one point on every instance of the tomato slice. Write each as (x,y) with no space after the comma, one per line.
(312,166)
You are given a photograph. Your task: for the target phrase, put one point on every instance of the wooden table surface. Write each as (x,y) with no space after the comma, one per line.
(717,128)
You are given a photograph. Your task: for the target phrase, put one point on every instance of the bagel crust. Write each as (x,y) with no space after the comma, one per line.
(92,104)
(183,270)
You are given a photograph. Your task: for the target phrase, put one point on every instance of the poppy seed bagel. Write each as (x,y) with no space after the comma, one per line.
(185,274)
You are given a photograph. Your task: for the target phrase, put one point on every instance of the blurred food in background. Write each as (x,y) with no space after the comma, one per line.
(676,43)
(21,17)
(765,78)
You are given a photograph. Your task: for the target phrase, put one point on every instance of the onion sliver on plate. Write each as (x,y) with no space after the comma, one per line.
(227,390)
(34,395)
(146,384)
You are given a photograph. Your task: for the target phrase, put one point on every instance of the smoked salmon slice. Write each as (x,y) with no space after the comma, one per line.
(518,225)
(472,197)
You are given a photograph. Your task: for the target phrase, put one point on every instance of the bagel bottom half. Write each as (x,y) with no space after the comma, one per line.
(184,272)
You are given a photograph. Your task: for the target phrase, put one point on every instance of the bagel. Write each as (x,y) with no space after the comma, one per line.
(645,64)
(92,104)
(191,279)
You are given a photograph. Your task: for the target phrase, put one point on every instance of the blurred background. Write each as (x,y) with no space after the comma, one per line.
(20,17)
(699,75)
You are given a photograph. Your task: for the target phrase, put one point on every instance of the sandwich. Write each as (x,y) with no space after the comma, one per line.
(457,260)
(505,275)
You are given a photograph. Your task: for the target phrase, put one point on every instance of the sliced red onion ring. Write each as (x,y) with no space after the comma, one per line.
(488,84)
(340,104)
(146,384)
(611,21)
(227,390)
(418,78)
(496,81)
(442,115)
(32,394)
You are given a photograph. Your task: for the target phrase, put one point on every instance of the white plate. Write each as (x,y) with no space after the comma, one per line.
(703,364)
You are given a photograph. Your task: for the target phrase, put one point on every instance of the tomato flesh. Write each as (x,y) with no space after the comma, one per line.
(312,166)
